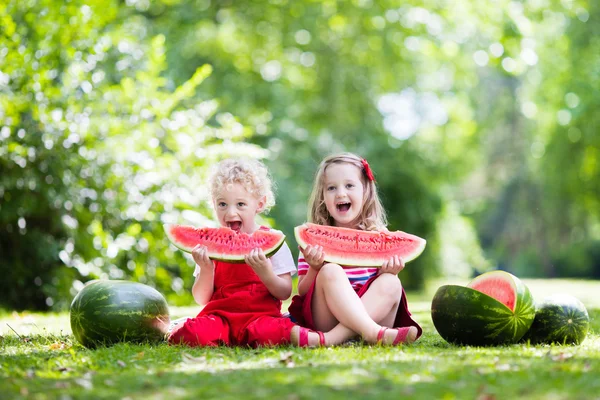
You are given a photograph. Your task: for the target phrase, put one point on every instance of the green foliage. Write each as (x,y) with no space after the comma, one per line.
(540,214)
(441,100)
(97,149)
(110,118)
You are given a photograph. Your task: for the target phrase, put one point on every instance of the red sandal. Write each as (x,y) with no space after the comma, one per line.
(303,337)
(401,336)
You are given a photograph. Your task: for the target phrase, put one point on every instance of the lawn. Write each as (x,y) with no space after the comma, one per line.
(39,359)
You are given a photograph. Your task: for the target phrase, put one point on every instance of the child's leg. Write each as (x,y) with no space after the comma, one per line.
(382,299)
(207,330)
(305,337)
(336,301)
(272,331)
(386,292)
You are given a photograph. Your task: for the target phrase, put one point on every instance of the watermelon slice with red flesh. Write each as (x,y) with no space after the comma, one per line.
(498,286)
(495,308)
(352,247)
(222,243)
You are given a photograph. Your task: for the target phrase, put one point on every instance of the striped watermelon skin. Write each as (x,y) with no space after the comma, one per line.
(105,312)
(462,315)
(559,319)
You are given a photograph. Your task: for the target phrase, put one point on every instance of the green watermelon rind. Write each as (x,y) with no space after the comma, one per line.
(369,259)
(465,316)
(219,256)
(106,312)
(559,319)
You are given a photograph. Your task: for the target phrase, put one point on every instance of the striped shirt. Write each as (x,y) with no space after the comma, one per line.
(357,276)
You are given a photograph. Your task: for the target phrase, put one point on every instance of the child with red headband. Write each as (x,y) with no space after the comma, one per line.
(350,301)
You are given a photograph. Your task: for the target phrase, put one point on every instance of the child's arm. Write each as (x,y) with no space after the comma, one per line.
(204,284)
(305,281)
(280,286)
(315,258)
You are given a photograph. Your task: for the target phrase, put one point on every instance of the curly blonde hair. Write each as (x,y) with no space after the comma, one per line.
(252,175)
(372,216)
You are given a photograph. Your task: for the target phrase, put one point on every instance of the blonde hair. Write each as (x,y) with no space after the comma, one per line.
(372,216)
(252,175)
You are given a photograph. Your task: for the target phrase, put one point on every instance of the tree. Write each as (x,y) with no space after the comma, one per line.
(98,149)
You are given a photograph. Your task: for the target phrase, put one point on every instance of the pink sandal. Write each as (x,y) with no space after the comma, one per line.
(400,336)
(303,337)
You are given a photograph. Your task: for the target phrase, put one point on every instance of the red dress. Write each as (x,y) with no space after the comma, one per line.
(241,312)
(301,308)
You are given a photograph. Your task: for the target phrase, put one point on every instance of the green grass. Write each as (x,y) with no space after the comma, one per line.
(45,362)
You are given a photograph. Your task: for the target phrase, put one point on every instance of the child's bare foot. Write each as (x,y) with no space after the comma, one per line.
(395,336)
(304,337)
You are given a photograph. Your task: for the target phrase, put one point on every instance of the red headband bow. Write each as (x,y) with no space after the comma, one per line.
(368,171)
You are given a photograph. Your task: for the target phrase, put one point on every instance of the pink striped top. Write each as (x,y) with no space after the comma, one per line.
(357,276)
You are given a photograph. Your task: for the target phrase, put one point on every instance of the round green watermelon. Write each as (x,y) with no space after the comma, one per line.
(495,308)
(105,312)
(560,319)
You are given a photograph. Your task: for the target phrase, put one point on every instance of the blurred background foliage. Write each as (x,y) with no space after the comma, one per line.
(480,120)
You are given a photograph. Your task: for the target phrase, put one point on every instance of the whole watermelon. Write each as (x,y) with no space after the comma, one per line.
(560,319)
(105,312)
(495,308)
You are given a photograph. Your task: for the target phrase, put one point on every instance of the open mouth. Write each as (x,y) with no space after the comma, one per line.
(235,225)
(343,207)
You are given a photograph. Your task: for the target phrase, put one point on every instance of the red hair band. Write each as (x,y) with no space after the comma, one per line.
(368,171)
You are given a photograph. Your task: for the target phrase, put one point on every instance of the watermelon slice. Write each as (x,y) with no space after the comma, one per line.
(499,285)
(495,308)
(224,244)
(358,248)
(561,319)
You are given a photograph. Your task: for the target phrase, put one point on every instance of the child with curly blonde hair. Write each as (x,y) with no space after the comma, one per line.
(242,302)
(350,301)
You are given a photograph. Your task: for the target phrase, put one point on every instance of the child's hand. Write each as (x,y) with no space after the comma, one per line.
(392,266)
(314,256)
(258,261)
(200,255)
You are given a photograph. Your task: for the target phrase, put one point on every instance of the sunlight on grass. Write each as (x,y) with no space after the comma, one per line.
(45,362)
(27,323)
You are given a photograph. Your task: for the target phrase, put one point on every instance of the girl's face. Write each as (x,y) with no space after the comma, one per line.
(343,193)
(236,208)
